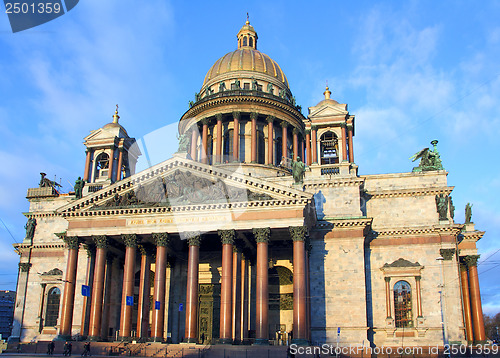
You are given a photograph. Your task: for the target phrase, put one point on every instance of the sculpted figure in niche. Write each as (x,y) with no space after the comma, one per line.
(30,228)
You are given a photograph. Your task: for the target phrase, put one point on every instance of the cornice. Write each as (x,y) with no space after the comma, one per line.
(381,194)
(189,208)
(40,246)
(429,230)
(343,223)
(216,102)
(472,235)
(334,182)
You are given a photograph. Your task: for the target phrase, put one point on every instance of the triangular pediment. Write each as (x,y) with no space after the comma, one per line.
(328,110)
(180,182)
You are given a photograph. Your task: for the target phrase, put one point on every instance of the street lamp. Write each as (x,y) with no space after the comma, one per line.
(443,304)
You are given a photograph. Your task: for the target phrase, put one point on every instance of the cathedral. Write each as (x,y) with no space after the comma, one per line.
(259,230)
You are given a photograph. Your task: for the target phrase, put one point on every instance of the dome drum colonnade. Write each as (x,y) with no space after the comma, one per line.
(101,251)
(245,112)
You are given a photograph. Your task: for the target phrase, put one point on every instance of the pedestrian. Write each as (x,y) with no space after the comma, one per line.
(70,348)
(86,349)
(50,348)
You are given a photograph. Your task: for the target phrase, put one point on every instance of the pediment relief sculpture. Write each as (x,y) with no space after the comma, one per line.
(182,188)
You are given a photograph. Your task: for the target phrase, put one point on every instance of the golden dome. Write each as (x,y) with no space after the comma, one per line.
(246,58)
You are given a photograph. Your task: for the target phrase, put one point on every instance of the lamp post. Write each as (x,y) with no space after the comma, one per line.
(442,295)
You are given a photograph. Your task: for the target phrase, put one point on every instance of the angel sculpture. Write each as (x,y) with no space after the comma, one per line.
(429,159)
(44,182)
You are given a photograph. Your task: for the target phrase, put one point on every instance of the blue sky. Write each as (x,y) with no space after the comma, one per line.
(410,71)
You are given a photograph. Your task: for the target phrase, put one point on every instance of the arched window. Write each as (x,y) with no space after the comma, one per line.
(329,148)
(52,310)
(251,42)
(228,146)
(102,163)
(402,304)
(244,41)
(261,148)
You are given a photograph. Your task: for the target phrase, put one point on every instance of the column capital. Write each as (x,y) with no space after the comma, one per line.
(71,242)
(463,265)
(387,279)
(418,278)
(227,236)
(270,119)
(205,121)
(254,115)
(218,116)
(236,115)
(161,238)
(193,237)
(343,125)
(24,266)
(471,260)
(144,250)
(262,234)
(447,254)
(101,241)
(350,127)
(284,124)
(298,233)
(308,131)
(295,130)
(90,249)
(314,128)
(130,240)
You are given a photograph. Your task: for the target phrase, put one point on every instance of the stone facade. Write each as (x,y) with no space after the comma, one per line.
(362,260)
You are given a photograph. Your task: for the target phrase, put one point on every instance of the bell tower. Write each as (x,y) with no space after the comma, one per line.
(331,129)
(111,155)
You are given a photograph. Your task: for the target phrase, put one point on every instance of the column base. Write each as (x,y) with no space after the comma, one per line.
(261,342)
(225,341)
(190,340)
(13,339)
(125,338)
(480,343)
(63,338)
(94,338)
(156,339)
(300,341)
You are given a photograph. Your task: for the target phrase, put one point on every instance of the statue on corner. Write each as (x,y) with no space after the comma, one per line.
(298,171)
(429,159)
(79,184)
(468,213)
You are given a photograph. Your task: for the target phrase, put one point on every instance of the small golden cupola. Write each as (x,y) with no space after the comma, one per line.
(247,37)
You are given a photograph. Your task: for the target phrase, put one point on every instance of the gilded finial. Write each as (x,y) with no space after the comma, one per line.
(327,92)
(116,117)
(248,19)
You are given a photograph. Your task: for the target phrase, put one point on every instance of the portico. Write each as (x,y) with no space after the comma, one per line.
(230,234)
